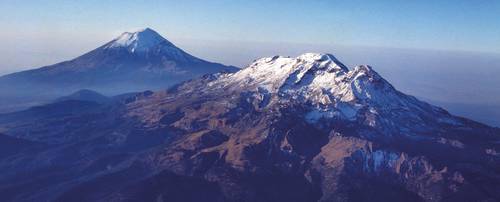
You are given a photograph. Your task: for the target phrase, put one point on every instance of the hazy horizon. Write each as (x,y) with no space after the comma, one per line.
(52,31)
(214,50)
(465,83)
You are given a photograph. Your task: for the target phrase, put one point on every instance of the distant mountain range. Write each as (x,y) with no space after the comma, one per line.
(282,129)
(136,61)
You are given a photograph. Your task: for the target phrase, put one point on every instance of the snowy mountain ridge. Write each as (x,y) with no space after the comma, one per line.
(330,89)
(320,77)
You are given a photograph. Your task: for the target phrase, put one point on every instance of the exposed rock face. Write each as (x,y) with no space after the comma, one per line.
(282,129)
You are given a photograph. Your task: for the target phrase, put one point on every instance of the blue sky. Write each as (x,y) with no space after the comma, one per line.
(50,31)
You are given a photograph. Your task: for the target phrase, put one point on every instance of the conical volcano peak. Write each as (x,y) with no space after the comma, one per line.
(138,41)
(133,61)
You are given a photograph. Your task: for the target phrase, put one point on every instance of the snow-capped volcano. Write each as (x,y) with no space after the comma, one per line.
(140,40)
(331,91)
(134,61)
(148,41)
(318,78)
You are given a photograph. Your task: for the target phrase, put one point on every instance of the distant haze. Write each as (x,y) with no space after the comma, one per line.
(42,32)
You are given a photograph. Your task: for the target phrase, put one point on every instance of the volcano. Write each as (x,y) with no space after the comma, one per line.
(133,62)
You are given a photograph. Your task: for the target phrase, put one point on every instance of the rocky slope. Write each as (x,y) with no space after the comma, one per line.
(282,129)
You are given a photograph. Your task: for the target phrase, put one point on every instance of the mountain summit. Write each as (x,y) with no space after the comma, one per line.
(134,61)
(149,42)
(142,40)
